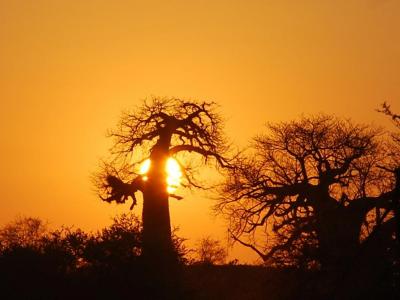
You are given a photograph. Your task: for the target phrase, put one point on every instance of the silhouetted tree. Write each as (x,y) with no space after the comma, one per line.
(23,232)
(310,191)
(158,130)
(210,252)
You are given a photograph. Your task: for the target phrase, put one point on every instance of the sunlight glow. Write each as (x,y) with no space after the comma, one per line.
(174,175)
(144,168)
(173,170)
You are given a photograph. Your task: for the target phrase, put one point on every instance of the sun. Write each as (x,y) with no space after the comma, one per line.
(144,168)
(173,169)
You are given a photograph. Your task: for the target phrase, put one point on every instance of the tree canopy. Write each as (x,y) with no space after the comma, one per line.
(167,127)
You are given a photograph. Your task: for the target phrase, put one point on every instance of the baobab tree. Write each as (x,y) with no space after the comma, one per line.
(309,189)
(154,133)
(394,153)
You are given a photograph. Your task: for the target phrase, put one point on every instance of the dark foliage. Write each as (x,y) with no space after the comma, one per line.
(73,264)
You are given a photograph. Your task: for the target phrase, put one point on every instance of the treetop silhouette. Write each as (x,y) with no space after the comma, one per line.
(157,130)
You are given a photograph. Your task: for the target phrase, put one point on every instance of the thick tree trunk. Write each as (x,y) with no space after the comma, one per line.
(338,230)
(157,241)
(163,271)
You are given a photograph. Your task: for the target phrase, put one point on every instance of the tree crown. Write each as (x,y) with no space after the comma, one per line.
(158,129)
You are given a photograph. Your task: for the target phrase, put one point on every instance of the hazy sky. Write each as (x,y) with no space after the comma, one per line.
(68,68)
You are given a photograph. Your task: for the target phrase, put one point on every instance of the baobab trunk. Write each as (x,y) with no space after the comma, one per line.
(157,242)
(163,273)
(338,230)
(338,234)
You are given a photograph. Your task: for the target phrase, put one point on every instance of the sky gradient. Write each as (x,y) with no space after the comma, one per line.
(68,69)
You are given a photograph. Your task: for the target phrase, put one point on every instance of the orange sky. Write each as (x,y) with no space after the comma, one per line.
(68,68)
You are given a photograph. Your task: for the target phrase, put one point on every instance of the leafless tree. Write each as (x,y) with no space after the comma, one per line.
(159,129)
(209,251)
(307,190)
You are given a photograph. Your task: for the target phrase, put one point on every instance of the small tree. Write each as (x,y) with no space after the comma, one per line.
(23,232)
(210,252)
(157,130)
